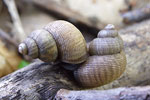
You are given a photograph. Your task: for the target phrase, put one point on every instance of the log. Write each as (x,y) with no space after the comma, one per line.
(16,19)
(124,93)
(41,81)
(38,81)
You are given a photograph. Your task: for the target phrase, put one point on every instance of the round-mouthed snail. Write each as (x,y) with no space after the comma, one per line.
(57,40)
(60,40)
(107,60)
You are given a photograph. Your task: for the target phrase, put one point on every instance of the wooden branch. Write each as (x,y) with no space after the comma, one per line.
(16,19)
(132,93)
(137,15)
(7,38)
(38,81)
(41,81)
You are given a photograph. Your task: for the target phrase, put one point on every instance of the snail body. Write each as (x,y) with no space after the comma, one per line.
(57,40)
(107,60)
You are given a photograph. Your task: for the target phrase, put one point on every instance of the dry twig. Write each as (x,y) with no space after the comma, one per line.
(137,15)
(124,93)
(16,19)
(6,37)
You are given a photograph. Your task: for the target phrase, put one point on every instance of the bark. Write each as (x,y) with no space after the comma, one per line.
(132,93)
(38,81)
(41,81)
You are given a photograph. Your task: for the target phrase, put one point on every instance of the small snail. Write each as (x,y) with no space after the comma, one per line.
(57,40)
(107,60)
(60,40)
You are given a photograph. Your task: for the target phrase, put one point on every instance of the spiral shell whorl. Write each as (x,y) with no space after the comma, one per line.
(107,42)
(58,40)
(100,70)
(70,42)
(23,49)
(46,44)
(107,61)
(40,44)
(29,47)
(109,31)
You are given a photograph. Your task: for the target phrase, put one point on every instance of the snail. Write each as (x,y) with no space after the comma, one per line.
(58,40)
(99,63)
(107,60)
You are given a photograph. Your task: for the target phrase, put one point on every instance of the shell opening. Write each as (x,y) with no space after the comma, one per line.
(23,49)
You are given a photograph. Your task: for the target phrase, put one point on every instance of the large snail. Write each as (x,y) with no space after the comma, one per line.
(57,40)
(60,40)
(107,60)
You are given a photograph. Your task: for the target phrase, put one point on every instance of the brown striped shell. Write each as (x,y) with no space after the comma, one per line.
(57,40)
(107,61)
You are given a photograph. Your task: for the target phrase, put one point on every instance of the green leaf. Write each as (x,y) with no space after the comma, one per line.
(23,63)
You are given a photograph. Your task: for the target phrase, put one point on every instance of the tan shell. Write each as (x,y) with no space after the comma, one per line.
(46,45)
(57,40)
(40,44)
(70,42)
(100,70)
(109,31)
(105,46)
(32,48)
(107,61)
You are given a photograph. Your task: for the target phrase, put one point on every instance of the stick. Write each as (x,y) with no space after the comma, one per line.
(41,81)
(38,81)
(124,93)
(6,37)
(137,15)
(16,19)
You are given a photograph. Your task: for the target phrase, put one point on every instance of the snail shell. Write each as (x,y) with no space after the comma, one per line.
(107,61)
(57,40)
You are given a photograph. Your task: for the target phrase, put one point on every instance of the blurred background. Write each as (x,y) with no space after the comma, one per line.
(18,18)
